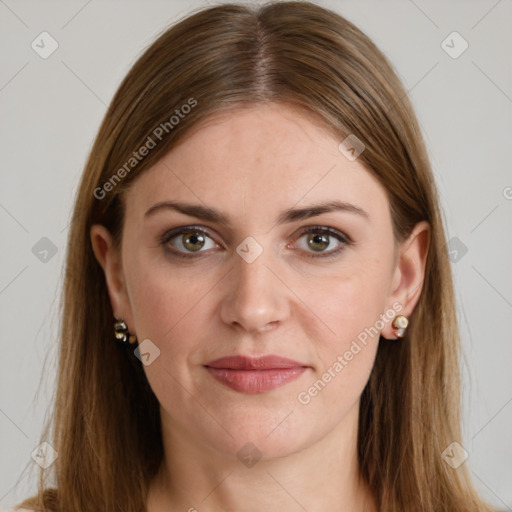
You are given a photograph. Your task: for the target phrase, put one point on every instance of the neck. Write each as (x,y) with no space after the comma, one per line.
(323,476)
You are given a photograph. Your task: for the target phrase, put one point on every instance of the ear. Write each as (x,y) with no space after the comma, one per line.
(409,274)
(110,260)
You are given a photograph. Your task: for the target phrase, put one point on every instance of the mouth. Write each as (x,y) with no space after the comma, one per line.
(255,374)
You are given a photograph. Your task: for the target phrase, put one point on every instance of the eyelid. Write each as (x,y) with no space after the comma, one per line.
(340,235)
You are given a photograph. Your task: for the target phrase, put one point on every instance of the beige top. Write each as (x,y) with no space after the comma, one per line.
(15,510)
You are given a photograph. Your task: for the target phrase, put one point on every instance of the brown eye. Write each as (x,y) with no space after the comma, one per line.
(193,241)
(317,242)
(187,241)
(322,240)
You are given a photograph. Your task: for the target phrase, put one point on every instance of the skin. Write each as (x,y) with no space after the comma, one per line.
(252,165)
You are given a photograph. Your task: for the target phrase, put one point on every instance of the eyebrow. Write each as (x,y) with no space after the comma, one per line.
(286,216)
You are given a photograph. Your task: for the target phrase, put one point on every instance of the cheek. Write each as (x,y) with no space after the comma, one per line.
(350,303)
(170,308)
(163,298)
(350,311)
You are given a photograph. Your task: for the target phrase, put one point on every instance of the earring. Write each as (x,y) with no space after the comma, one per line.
(400,323)
(121,333)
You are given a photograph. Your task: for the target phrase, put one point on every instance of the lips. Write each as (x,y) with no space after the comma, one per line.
(253,363)
(255,374)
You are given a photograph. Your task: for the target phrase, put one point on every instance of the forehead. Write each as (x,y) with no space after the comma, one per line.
(262,159)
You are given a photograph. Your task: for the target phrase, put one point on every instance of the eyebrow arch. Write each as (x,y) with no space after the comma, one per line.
(287,216)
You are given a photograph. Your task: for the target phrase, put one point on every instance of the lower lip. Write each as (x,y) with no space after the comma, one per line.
(255,381)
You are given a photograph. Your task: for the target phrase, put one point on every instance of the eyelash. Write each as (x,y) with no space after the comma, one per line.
(341,237)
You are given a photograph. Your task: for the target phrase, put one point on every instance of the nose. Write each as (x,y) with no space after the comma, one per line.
(256,299)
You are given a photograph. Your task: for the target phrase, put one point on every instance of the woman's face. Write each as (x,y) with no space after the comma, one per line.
(247,268)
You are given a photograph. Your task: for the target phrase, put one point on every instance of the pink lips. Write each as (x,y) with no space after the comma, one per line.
(255,374)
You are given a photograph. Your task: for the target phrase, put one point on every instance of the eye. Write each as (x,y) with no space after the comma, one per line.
(191,241)
(188,240)
(323,240)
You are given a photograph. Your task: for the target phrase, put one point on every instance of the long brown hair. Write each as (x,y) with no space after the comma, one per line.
(106,426)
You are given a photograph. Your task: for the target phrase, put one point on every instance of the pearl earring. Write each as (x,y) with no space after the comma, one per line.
(400,323)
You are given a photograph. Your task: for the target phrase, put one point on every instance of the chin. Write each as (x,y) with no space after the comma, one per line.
(262,433)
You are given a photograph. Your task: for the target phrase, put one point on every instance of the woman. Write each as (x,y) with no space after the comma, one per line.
(258,310)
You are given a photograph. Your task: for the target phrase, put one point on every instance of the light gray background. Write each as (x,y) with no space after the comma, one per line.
(51,110)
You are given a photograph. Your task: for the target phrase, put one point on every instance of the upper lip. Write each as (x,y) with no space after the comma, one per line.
(268,362)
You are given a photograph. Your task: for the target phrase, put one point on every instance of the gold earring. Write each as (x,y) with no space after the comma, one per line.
(121,333)
(400,323)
